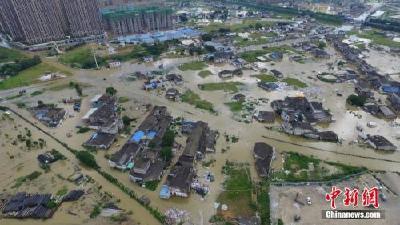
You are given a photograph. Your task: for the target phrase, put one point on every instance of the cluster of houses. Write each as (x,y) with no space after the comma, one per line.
(49,114)
(104,119)
(36,206)
(299,115)
(201,139)
(140,155)
(371,80)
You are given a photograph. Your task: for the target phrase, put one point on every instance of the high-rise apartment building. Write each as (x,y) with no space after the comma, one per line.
(38,21)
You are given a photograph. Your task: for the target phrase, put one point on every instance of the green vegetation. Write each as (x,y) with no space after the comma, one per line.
(195,65)
(305,168)
(221,86)
(20,180)
(356,100)
(81,57)
(123,99)
(57,155)
(295,82)
(205,73)
(237,192)
(251,56)
(235,106)
(30,76)
(237,27)
(83,130)
(378,38)
(10,55)
(263,203)
(111,91)
(63,191)
(12,69)
(194,99)
(266,78)
(36,93)
(87,159)
(96,211)
(152,185)
(321,17)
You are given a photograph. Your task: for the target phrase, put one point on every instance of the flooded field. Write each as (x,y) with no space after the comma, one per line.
(200,209)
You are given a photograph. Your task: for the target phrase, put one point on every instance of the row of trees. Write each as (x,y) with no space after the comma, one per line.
(12,69)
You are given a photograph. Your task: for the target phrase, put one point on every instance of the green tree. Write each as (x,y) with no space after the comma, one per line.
(356,100)
(87,159)
(111,91)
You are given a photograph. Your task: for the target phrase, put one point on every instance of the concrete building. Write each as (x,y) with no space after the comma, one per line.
(39,21)
(123,20)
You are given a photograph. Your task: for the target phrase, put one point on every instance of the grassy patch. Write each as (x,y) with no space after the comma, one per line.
(204,73)
(123,99)
(266,78)
(36,93)
(196,65)
(20,180)
(30,76)
(194,99)
(237,192)
(378,38)
(222,86)
(235,106)
(10,55)
(295,82)
(63,191)
(81,57)
(299,169)
(237,27)
(251,56)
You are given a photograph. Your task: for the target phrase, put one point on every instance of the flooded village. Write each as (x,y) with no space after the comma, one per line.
(226,113)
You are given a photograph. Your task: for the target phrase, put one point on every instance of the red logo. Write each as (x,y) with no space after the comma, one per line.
(369,197)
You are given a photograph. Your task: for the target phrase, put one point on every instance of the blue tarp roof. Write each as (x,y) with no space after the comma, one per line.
(151,134)
(136,137)
(165,193)
(391,89)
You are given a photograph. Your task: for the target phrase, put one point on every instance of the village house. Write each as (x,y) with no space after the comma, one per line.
(300,109)
(124,158)
(49,115)
(179,180)
(103,115)
(100,140)
(265,116)
(277,73)
(174,78)
(263,155)
(380,143)
(268,86)
(394,100)
(172,94)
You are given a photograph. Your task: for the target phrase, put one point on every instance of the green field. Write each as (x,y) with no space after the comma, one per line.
(378,38)
(266,78)
(222,86)
(251,56)
(237,27)
(196,65)
(194,99)
(237,192)
(10,55)
(204,73)
(299,169)
(295,82)
(81,57)
(30,76)
(235,106)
